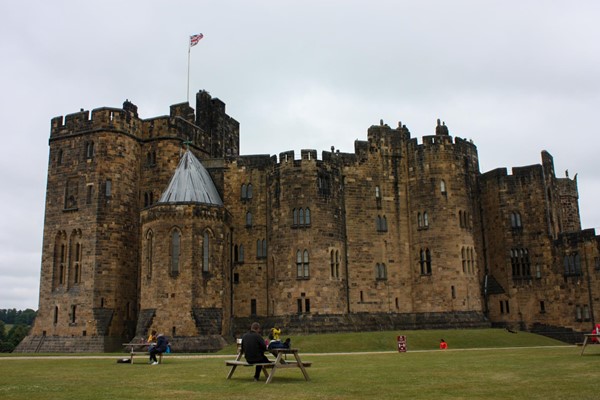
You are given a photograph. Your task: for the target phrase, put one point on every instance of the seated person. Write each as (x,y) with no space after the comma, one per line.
(161,347)
(253,346)
(277,344)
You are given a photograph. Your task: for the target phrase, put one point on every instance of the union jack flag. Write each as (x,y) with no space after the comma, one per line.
(194,39)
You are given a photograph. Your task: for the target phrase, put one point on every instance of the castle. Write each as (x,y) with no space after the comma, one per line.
(161,224)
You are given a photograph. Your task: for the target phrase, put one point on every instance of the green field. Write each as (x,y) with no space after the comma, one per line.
(480,364)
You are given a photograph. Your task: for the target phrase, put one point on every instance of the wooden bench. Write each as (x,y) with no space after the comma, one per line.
(279,363)
(134,349)
(236,363)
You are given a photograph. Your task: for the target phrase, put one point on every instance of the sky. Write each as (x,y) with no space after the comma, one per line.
(515,76)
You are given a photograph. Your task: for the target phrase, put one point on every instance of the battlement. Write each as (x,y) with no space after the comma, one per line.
(104,118)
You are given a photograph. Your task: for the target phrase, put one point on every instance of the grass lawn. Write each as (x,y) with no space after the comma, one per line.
(512,370)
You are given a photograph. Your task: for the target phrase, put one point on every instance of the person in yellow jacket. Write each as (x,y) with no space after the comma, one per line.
(276,332)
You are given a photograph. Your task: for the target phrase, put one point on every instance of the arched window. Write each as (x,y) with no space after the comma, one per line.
(89,150)
(302,264)
(443,186)
(425,220)
(73,314)
(425,261)
(175,252)
(244,191)
(419,220)
(206,252)
(377,192)
(307,216)
(295,217)
(301,220)
(77,266)
(249,190)
(149,251)
(306,264)
(248,218)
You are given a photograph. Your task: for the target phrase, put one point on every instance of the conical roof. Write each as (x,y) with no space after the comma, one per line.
(191,183)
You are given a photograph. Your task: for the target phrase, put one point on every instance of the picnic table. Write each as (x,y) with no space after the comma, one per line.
(139,348)
(280,363)
(587,336)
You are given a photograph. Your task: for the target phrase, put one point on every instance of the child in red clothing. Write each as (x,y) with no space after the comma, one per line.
(443,345)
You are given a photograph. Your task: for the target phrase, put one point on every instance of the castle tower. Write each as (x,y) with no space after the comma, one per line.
(88,302)
(185,261)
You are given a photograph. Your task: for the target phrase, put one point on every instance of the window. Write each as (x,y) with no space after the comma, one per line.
(467,255)
(89,194)
(206,252)
(148,199)
(381,223)
(108,188)
(149,250)
(425,262)
(422,220)
(542,307)
(73,314)
(261,248)
(302,264)
(89,150)
(425,220)
(248,219)
(246,191)
(335,263)
(572,264)
(300,217)
(55,315)
(515,220)
(77,266)
(378,196)
(252,307)
(443,187)
(239,253)
(380,271)
(504,307)
(520,263)
(175,251)
(453,292)
(586,312)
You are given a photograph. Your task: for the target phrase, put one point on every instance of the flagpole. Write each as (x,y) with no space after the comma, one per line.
(188,77)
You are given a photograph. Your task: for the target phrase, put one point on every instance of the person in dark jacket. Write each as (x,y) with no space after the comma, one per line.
(161,347)
(254,347)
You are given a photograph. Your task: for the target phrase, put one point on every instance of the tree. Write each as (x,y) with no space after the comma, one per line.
(16,334)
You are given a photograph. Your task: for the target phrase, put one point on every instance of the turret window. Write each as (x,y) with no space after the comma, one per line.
(175,251)
(301,217)
(206,252)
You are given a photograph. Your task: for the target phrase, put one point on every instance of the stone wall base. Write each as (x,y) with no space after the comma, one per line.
(363,322)
(70,344)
